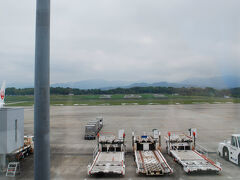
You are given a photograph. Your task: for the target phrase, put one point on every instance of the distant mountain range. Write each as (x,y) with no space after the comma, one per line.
(221,82)
(105,85)
(92,84)
(19,84)
(157,84)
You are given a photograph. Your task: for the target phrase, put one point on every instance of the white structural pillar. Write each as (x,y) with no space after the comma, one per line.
(41,92)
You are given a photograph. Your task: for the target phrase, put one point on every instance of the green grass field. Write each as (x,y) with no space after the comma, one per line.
(117,99)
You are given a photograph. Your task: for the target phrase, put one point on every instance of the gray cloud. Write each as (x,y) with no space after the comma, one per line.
(124,40)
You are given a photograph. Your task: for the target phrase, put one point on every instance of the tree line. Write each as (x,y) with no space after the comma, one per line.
(193,91)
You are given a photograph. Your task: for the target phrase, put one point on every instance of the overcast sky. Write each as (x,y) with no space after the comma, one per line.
(124,40)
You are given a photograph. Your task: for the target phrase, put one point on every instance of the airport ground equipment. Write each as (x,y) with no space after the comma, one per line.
(29,140)
(147,154)
(13,169)
(230,150)
(11,133)
(25,150)
(91,131)
(100,119)
(182,147)
(108,156)
(93,127)
(97,124)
